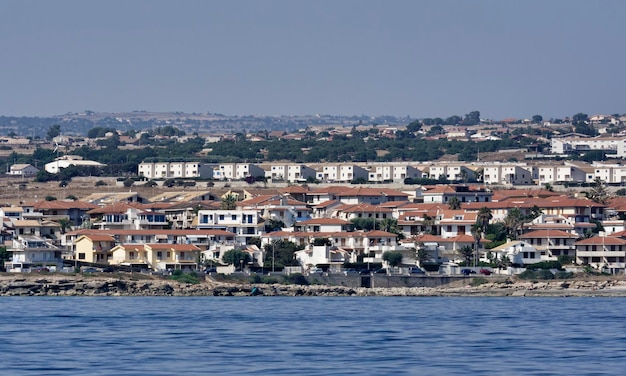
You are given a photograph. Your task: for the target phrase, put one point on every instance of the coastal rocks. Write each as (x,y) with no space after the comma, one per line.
(63,285)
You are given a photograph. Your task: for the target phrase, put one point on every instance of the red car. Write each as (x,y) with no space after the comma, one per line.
(485,271)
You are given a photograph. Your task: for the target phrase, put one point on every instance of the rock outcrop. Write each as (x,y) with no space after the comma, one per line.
(67,285)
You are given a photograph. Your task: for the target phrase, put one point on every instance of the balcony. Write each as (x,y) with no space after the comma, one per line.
(600,253)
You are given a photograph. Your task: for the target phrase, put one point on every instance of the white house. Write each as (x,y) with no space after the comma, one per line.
(24,170)
(63,162)
(518,252)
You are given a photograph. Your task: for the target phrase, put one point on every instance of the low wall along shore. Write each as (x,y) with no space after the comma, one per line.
(129,285)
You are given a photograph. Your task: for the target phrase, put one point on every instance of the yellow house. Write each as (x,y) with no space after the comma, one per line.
(93,248)
(160,256)
(173,256)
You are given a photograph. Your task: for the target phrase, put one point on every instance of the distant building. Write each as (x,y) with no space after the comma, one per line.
(63,162)
(24,170)
(167,170)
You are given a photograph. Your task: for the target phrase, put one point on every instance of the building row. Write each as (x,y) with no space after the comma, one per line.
(496,173)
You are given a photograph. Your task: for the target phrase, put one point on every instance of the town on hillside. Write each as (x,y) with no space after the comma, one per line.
(553,206)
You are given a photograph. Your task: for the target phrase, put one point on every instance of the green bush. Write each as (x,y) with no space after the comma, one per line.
(478,281)
(190,277)
(563,275)
(545,265)
(536,274)
(295,279)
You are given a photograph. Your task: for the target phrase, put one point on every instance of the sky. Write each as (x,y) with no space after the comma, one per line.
(438,58)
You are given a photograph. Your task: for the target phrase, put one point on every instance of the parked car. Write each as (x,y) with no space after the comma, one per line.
(39,269)
(467,271)
(315,270)
(365,272)
(380,271)
(210,270)
(485,271)
(349,271)
(416,270)
(90,270)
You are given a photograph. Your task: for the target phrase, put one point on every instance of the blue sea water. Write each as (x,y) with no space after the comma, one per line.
(312,336)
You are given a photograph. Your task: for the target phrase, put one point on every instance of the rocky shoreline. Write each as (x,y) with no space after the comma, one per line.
(78,285)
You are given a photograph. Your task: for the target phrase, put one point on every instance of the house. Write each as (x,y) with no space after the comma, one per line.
(606,253)
(323,225)
(463,193)
(30,249)
(94,248)
(551,243)
(237,171)
(173,170)
(245,224)
(160,256)
(70,160)
(518,252)
(24,170)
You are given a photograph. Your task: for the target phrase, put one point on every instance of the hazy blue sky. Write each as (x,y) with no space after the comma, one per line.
(287,57)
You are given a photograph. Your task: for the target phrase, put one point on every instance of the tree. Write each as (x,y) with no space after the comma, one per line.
(236,257)
(466,252)
(5,255)
(53,131)
(513,222)
(536,119)
(128,182)
(483,217)
(422,255)
(598,192)
(473,118)
(393,258)
(454,203)
(229,202)
(452,120)
(65,224)
(414,126)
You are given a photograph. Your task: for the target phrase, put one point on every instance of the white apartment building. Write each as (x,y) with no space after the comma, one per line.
(245,224)
(553,174)
(293,172)
(393,172)
(566,145)
(166,170)
(237,171)
(340,173)
(452,172)
(510,174)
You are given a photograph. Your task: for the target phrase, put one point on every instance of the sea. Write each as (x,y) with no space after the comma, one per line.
(312,336)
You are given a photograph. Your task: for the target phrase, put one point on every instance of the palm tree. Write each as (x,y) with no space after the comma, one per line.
(454,203)
(428,221)
(513,222)
(229,202)
(477,233)
(65,224)
(484,217)
(466,252)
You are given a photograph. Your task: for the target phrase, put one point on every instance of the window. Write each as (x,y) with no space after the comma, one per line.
(159,255)
(81,256)
(221,217)
(233,217)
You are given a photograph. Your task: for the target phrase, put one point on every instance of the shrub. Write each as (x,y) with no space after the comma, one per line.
(536,274)
(478,281)
(546,265)
(179,276)
(295,279)
(100,183)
